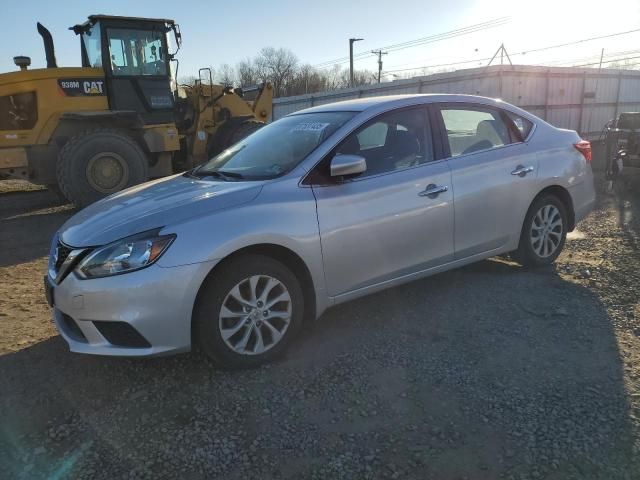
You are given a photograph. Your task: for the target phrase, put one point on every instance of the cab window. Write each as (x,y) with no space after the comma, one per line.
(136,52)
(92,47)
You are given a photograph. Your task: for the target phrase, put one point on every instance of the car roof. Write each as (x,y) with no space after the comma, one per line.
(391,101)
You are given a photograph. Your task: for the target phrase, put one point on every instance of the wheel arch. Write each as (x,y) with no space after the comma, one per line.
(72,124)
(564,196)
(287,257)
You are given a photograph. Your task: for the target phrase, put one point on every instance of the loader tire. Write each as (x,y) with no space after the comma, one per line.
(97,163)
(244,130)
(54,189)
(219,143)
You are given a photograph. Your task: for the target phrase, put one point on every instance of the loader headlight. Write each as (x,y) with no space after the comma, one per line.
(126,255)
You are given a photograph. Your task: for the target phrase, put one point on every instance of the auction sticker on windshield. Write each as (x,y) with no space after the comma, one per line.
(310,127)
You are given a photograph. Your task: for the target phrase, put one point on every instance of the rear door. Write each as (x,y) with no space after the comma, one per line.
(493,176)
(384,223)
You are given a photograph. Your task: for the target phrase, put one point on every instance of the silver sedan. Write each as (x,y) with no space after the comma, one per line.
(318,208)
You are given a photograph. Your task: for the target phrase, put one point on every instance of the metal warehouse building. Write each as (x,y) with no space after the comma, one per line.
(580,99)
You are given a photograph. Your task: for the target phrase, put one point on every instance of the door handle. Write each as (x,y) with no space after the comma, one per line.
(433,190)
(521,170)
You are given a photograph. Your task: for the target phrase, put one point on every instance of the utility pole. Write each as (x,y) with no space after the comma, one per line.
(351,42)
(379,53)
(600,66)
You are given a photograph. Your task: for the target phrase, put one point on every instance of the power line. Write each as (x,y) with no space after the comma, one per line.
(549,47)
(424,40)
(578,41)
(592,57)
(564,61)
(608,61)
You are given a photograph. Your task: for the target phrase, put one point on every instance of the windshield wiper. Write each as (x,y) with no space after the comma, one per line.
(216,173)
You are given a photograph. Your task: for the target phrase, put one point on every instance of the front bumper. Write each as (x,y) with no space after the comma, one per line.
(142,313)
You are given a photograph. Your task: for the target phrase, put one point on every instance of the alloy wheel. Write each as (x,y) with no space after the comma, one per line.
(255,315)
(546,231)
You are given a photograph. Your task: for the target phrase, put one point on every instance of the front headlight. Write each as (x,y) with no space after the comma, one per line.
(126,255)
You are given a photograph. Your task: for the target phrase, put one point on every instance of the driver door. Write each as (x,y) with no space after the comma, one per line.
(383,224)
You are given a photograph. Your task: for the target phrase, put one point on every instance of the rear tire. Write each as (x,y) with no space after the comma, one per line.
(97,163)
(221,323)
(543,232)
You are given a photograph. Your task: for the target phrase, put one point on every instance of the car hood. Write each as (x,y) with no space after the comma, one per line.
(152,205)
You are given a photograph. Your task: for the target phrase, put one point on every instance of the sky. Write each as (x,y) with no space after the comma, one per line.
(227,32)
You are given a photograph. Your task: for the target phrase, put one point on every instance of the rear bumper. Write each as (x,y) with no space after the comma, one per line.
(583,196)
(143,313)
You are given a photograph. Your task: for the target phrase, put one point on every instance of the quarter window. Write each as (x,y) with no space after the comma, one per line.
(523,125)
(470,130)
(393,141)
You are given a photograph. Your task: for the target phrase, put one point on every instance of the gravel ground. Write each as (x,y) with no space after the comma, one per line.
(490,371)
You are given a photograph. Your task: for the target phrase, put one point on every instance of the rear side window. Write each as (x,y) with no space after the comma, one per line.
(471,129)
(523,125)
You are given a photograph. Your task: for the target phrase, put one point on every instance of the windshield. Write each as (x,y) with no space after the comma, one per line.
(276,148)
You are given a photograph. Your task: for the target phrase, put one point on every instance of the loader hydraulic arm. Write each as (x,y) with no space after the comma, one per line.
(263,103)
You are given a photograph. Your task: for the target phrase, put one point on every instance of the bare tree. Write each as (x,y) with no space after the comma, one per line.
(226,75)
(188,80)
(277,66)
(280,67)
(245,73)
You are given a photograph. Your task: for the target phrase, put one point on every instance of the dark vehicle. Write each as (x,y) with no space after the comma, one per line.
(622,142)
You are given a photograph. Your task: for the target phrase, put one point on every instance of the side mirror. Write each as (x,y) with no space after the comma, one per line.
(343,165)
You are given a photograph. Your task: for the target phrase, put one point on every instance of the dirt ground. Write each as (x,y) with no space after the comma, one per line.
(490,371)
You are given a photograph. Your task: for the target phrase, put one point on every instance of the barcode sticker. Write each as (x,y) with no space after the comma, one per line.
(310,127)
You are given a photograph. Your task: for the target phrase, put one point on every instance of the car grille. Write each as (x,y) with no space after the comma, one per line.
(63,252)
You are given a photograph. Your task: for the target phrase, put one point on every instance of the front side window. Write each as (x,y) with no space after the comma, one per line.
(393,141)
(136,52)
(92,46)
(274,149)
(471,129)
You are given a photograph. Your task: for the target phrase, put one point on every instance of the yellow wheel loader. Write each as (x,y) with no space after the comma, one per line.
(118,120)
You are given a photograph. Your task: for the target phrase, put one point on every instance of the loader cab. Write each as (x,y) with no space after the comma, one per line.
(134,55)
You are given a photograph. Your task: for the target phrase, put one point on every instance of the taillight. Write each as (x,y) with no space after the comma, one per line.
(584,147)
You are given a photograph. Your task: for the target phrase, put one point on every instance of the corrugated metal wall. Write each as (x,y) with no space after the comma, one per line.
(578,99)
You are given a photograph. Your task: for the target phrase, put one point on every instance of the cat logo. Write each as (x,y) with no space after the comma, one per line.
(82,87)
(93,88)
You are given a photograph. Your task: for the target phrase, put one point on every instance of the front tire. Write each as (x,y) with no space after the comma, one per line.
(544,232)
(248,311)
(97,163)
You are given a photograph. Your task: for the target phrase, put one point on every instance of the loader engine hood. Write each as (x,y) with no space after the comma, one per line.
(164,202)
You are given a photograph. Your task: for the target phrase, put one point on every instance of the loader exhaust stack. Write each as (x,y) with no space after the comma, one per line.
(48,46)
